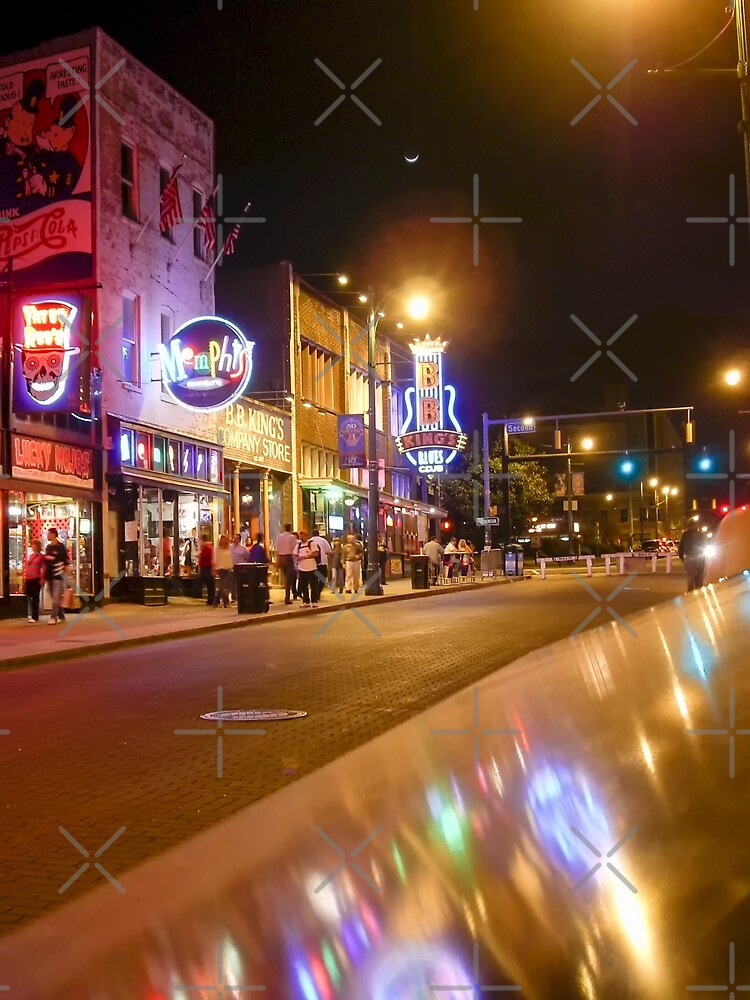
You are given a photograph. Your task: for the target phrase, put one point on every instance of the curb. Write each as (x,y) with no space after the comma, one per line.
(78,652)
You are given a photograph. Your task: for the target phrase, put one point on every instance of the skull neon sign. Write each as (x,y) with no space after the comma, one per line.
(45,351)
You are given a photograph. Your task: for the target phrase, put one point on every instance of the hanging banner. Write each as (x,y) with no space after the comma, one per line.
(561,484)
(45,167)
(577,484)
(352,453)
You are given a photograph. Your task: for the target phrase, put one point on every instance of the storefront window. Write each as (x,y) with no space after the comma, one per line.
(31,515)
(151,533)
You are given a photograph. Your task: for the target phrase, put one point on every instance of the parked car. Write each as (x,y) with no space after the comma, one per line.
(661,546)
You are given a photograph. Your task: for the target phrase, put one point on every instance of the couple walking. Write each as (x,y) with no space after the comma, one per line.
(46,567)
(303,564)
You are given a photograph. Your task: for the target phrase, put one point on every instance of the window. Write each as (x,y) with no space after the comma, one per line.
(128,181)
(401,485)
(318,376)
(359,397)
(624,515)
(397,411)
(166,325)
(131,339)
(319,463)
(164,175)
(199,242)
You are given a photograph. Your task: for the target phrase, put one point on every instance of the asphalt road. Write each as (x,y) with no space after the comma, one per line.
(94,763)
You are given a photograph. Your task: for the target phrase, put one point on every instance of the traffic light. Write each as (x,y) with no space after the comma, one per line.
(446,525)
(627,467)
(725,508)
(705,463)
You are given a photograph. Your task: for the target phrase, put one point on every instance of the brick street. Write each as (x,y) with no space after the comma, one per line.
(92,745)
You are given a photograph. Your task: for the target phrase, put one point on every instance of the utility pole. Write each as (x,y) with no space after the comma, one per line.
(740,17)
(571,543)
(507,527)
(486,475)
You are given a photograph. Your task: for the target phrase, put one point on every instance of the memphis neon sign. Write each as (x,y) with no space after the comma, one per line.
(431,435)
(207,363)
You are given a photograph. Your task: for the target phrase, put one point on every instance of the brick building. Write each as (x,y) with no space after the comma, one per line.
(96,445)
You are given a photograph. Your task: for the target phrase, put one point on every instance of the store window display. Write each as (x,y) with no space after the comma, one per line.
(31,515)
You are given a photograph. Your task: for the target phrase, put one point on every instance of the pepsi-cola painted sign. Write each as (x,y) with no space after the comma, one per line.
(207,363)
(48,375)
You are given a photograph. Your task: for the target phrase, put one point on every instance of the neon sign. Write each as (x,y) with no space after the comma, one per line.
(46,346)
(206,364)
(431,435)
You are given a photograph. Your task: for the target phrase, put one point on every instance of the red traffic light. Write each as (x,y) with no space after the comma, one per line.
(446,525)
(725,509)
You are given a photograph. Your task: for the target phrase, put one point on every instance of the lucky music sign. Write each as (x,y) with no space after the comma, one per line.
(207,363)
(431,435)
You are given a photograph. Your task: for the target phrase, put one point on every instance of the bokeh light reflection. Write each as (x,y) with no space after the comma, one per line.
(413,972)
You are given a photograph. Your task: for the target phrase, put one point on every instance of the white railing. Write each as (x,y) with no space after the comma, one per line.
(619,558)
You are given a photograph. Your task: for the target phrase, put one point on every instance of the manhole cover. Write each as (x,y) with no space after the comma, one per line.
(255,715)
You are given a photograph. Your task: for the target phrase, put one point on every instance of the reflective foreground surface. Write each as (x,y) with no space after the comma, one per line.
(576,826)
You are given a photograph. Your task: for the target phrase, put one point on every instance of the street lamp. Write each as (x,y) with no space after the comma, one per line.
(668,491)
(418,307)
(733,376)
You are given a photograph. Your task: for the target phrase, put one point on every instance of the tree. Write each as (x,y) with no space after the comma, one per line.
(530,491)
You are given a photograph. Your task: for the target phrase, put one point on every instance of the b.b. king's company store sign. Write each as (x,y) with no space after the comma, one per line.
(52,462)
(257,435)
(206,364)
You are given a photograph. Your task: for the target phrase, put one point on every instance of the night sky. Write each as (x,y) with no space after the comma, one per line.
(490,92)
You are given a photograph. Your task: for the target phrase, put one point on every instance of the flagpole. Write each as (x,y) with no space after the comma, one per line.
(221,252)
(190,231)
(157,206)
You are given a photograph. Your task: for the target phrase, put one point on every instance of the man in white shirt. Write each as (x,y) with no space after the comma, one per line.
(306,552)
(450,556)
(324,547)
(285,545)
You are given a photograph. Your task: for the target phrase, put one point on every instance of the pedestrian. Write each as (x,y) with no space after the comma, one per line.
(321,573)
(382,559)
(692,552)
(305,553)
(258,552)
(33,576)
(285,545)
(225,571)
(434,552)
(55,561)
(206,571)
(464,556)
(336,566)
(450,556)
(353,552)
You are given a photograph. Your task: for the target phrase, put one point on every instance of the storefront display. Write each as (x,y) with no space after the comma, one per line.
(166,493)
(31,515)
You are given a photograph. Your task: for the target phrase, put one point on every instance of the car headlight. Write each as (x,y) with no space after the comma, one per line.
(710,551)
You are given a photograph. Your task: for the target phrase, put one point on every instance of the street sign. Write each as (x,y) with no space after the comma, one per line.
(488,520)
(520,427)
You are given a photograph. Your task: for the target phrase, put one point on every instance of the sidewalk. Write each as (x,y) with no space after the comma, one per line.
(115,626)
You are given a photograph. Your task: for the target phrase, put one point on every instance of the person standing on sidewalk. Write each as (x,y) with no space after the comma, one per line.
(225,570)
(321,575)
(206,570)
(258,552)
(55,561)
(382,560)
(353,553)
(336,564)
(305,554)
(285,545)
(33,575)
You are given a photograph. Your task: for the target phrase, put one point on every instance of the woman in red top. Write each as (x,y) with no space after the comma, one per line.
(206,570)
(33,576)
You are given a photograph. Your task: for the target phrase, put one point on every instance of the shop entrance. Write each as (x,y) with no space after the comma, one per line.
(31,515)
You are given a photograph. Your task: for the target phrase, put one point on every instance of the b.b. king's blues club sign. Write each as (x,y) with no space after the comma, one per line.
(431,436)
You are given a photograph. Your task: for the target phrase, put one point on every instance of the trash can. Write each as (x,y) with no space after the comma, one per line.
(420,573)
(251,582)
(514,560)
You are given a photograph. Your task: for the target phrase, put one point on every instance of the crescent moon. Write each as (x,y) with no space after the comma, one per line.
(412,159)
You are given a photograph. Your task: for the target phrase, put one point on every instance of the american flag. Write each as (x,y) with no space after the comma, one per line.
(207,222)
(171,210)
(231,240)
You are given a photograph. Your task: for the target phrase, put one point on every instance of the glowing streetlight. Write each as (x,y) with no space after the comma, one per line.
(653,483)
(343,279)
(362,297)
(609,498)
(733,376)
(418,307)
(587,444)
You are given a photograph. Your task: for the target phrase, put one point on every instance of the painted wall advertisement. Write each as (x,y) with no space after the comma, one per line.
(45,167)
(256,435)
(52,462)
(352,453)
(51,355)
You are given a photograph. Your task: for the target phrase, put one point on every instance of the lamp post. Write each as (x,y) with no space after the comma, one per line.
(418,308)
